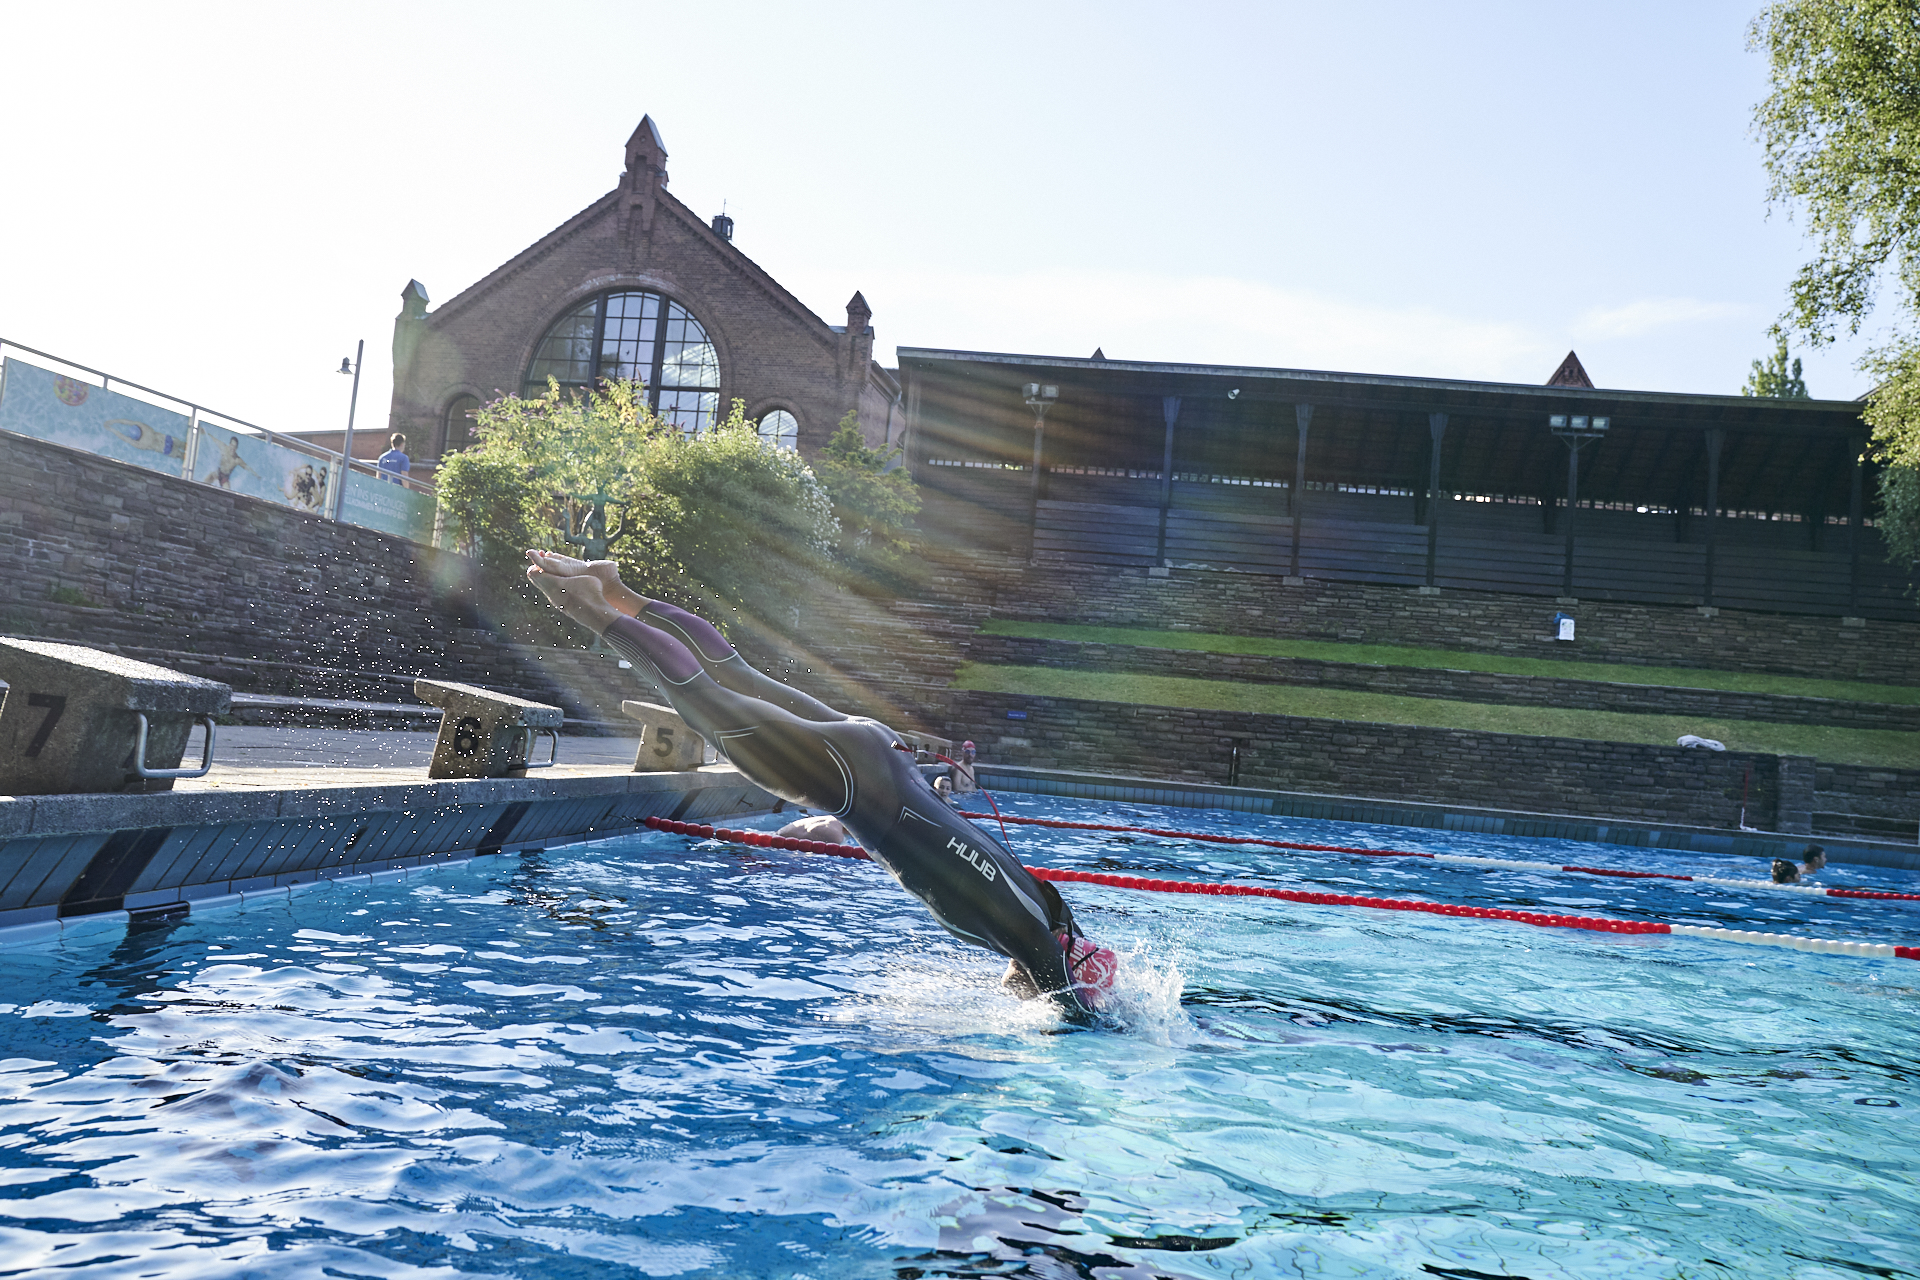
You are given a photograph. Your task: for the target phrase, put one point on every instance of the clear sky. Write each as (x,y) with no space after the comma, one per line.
(218,200)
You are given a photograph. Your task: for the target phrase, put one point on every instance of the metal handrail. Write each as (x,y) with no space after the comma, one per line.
(206,752)
(552,756)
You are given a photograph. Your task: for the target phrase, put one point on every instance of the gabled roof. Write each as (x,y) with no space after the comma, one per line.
(605,206)
(1570,373)
(1391,392)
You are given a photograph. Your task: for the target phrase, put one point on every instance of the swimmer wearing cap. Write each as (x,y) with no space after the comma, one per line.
(854,769)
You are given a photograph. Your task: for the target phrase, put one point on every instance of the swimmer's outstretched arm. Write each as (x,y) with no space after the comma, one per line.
(700,637)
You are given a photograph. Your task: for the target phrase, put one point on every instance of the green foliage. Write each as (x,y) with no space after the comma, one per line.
(491,505)
(728,516)
(1893,411)
(1900,513)
(875,506)
(71,595)
(723,515)
(1775,377)
(1841,135)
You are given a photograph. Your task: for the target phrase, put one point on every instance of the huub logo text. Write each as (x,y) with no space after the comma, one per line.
(983,865)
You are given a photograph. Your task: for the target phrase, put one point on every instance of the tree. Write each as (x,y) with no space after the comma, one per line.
(719,517)
(492,506)
(1774,377)
(1841,135)
(874,505)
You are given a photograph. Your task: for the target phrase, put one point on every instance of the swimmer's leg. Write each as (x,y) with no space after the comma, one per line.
(709,707)
(717,658)
(724,663)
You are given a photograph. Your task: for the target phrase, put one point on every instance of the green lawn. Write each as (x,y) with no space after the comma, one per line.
(1397,656)
(1876,747)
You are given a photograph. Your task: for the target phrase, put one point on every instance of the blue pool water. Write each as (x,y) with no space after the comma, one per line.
(653,1056)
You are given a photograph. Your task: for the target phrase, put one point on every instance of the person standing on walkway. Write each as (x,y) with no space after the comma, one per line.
(394,462)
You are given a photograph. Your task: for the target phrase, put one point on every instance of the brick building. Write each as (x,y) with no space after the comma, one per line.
(637,285)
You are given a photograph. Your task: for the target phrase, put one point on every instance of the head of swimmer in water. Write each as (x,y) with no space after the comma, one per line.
(1816,858)
(966,752)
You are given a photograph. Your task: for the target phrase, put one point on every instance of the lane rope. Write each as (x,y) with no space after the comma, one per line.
(1461,859)
(1596,924)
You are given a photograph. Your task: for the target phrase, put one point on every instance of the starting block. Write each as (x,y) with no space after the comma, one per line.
(666,743)
(75,719)
(484,734)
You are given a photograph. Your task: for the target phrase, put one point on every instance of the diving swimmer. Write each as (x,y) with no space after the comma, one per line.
(853,768)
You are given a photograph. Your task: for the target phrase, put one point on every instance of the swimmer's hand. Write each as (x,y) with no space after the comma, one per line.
(579,596)
(616,593)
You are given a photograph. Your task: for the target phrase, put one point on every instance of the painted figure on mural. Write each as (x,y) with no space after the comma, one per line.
(229,462)
(142,436)
(306,489)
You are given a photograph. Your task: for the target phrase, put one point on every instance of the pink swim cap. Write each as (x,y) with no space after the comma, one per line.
(1093,969)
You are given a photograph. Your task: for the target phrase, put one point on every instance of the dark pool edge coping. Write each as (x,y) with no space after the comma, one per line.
(418,804)
(1074,784)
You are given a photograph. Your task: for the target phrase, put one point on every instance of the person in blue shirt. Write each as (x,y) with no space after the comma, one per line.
(395,459)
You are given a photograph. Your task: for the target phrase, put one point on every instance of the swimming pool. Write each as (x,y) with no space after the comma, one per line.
(657,1056)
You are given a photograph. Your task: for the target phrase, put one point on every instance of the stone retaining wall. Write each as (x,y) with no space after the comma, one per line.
(1479,622)
(100,553)
(1446,766)
(1424,682)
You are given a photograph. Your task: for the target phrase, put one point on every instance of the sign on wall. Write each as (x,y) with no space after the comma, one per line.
(67,411)
(260,469)
(388,507)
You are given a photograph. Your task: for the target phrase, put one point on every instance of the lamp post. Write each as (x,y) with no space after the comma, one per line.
(1040,397)
(346,444)
(1576,431)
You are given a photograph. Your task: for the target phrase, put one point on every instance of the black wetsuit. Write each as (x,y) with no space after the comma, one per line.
(803,750)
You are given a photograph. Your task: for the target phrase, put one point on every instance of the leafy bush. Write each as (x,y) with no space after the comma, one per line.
(721,518)
(875,506)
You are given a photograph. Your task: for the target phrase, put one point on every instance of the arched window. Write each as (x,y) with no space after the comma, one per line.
(780,429)
(462,426)
(640,335)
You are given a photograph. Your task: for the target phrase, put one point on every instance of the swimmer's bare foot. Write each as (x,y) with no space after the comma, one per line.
(618,593)
(579,596)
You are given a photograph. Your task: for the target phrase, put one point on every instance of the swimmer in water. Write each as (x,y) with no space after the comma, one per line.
(1785,872)
(855,769)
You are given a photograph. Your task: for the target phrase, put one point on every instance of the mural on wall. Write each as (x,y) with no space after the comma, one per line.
(260,469)
(67,411)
